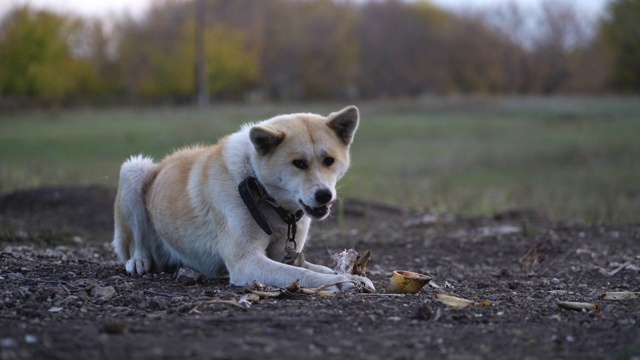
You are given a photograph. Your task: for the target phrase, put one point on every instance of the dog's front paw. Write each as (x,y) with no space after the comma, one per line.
(354,282)
(138,265)
(362,281)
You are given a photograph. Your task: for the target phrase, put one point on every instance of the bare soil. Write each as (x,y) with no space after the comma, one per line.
(63,294)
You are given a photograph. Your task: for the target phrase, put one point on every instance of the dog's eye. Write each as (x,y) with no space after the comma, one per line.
(328,161)
(300,164)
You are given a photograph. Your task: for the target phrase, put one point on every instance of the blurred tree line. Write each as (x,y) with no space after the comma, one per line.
(285,50)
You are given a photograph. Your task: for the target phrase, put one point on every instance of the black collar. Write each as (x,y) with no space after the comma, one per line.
(253,194)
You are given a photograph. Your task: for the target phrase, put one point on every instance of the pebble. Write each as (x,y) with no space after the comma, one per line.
(104,293)
(17,276)
(188,277)
(8,343)
(30,339)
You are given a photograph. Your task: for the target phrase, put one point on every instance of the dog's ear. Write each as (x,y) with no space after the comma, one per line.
(264,139)
(344,123)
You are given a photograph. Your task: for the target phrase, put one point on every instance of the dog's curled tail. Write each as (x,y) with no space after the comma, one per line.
(130,214)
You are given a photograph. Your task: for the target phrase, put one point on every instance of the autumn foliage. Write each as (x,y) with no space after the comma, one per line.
(287,50)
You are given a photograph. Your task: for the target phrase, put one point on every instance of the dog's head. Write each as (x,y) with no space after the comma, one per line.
(299,158)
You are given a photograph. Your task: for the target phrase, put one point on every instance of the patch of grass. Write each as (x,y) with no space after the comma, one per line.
(569,157)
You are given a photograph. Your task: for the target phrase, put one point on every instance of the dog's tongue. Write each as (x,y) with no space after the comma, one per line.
(319,211)
(325,207)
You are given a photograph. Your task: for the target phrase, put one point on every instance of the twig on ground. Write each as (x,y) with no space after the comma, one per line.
(57,282)
(157,293)
(217,301)
(616,270)
(295,288)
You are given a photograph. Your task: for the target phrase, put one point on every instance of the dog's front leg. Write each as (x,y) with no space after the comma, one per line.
(316,268)
(325,270)
(258,267)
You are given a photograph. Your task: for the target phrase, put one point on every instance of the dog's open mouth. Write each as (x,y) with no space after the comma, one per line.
(317,212)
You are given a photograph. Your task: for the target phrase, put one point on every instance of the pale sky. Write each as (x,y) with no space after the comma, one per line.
(83,7)
(138,7)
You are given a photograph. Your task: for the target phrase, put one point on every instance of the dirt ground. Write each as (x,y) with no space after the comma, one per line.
(64,296)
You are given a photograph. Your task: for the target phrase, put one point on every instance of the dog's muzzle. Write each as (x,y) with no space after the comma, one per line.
(319,212)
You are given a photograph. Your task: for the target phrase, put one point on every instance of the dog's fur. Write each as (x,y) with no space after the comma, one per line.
(186,210)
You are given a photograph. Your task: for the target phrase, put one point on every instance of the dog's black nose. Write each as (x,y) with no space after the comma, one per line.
(323,196)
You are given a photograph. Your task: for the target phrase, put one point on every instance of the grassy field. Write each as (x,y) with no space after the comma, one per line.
(569,157)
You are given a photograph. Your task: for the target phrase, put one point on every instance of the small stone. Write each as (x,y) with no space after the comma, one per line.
(188,277)
(104,293)
(8,343)
(17,276)
(114,327)
(424,312)
(30,339)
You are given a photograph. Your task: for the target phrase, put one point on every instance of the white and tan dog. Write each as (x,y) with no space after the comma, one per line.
(242,206)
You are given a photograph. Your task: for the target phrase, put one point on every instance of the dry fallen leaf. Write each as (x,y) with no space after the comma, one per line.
(620,295)
(361,264)
(453,301)
(578,306)
(406,282)
(258,286)
(293,288)
(350,262)
(249,299)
